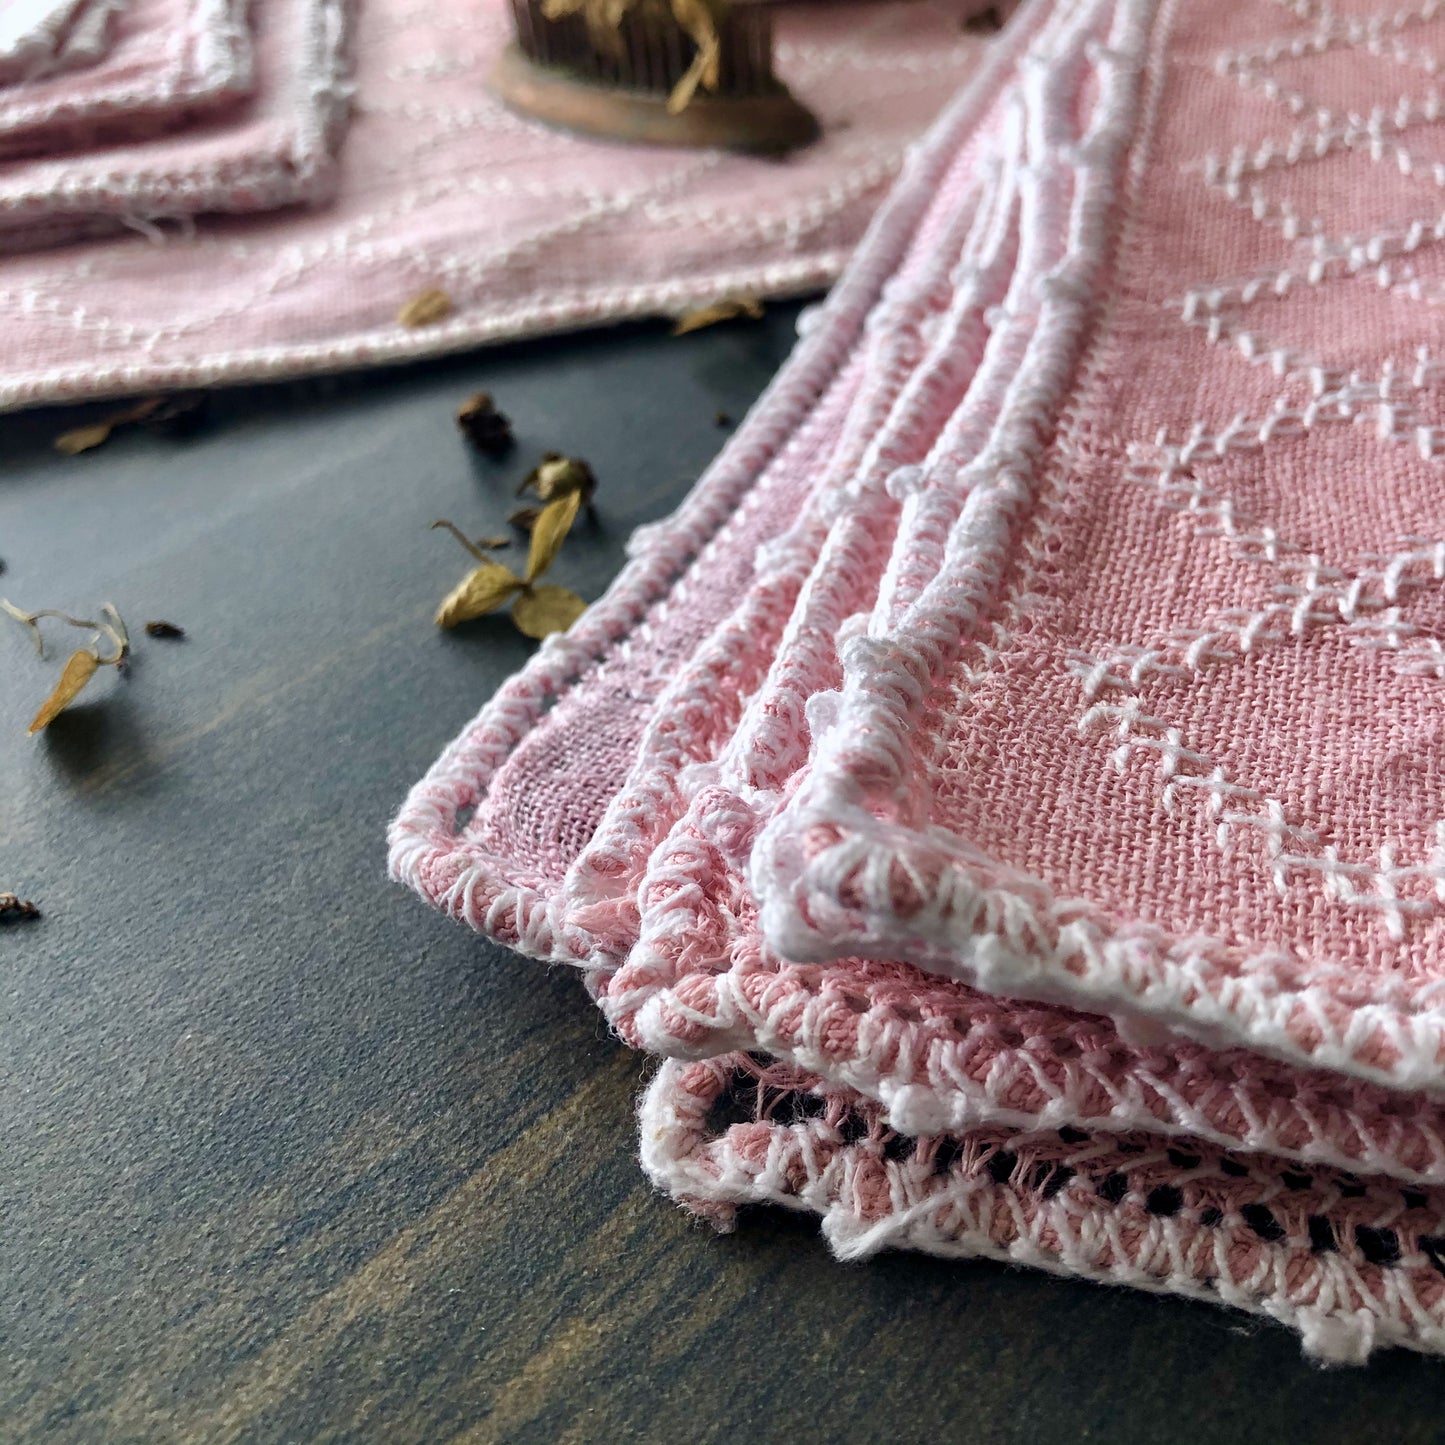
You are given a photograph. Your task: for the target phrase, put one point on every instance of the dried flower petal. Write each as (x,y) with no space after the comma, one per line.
(78,671)
(729,308)
(114,628)
(83,438)
(553,523)
(164,629)
(482,590)
(426,308)
(525,518)
(27,620)
(540,611)
(486,428)
(87,438)
(111,626)
(14,909)
(556,475)
(697,19)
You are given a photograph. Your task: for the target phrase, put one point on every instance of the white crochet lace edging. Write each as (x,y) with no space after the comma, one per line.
(964,1068)
(425,848)
(1353,1266)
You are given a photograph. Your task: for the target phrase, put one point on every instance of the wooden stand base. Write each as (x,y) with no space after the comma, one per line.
(761,124)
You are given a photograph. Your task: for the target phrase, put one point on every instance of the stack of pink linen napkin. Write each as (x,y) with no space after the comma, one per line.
(1008,791)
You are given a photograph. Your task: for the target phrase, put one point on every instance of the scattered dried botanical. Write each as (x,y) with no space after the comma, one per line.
(79,669)
(83,438)
(169,630)
(14,909)
(556,476)
(524,518)
(87,438)
(82,664)
(699,20)
(486,428)
(722,419)
(482,590)
(475,545)
(550,529)
(727,308)
(490,586)
(540,611)
(426,308)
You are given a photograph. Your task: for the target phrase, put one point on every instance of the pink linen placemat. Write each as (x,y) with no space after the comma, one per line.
(527,230)
(165,61)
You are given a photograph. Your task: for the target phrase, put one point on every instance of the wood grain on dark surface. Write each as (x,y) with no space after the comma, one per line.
(285,1157)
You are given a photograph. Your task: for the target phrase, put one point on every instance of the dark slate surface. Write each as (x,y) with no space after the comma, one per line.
(286,1158)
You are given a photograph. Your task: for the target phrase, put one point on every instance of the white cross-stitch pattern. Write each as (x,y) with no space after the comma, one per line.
(1366,598)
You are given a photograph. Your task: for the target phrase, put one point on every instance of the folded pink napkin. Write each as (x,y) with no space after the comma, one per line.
(42,37)
(163,62)
(538,780)
(276,149)
(1352,1265)
(566,853)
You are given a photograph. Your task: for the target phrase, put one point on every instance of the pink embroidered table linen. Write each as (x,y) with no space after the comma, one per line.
(961,803)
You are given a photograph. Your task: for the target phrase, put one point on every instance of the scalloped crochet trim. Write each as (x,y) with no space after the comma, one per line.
(1353,1265)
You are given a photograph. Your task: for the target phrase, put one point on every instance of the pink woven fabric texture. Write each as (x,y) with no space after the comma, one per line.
(1150,722)
(799,798)
(160,62)
(527,230)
